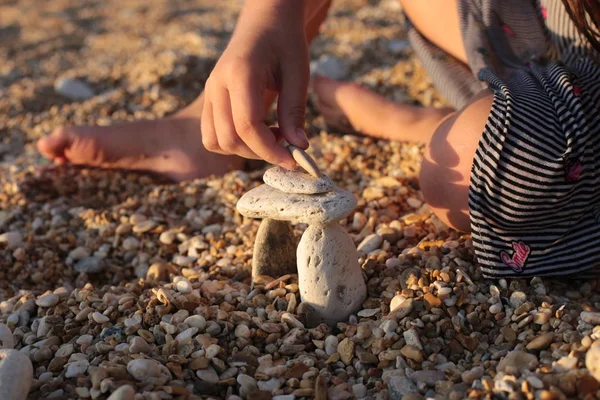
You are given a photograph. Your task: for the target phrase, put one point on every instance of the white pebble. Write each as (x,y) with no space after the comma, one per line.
(7,341)
(100,318)
(184,286)
(12,240)
(73,89)
(77,368)
(331,344)
(197,321)
(130,244)
(47,300)
(212,351)
(188,333)
(142,369)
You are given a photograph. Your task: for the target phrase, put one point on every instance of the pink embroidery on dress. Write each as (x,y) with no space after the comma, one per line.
(519,257)
(576,90)
(544,12)
(574,171)
(507,29)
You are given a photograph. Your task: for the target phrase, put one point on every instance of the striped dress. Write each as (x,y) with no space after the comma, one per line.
(534,198)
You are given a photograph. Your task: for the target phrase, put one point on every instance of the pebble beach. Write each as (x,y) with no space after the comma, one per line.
(124,286)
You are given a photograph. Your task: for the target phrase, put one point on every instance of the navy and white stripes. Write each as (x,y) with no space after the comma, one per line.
(534,198)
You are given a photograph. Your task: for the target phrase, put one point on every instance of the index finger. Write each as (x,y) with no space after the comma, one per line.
(247,107)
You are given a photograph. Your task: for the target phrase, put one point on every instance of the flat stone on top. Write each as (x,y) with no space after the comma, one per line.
(267,202)
(296,181)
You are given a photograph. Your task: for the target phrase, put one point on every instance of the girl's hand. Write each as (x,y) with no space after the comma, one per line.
(268,52)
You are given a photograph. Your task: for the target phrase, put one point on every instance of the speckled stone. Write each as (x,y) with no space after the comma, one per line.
(296,181)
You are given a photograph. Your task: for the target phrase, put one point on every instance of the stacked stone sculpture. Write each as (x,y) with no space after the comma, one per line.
(330,278)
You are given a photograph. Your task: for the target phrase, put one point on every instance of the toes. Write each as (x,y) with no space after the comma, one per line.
(53,146)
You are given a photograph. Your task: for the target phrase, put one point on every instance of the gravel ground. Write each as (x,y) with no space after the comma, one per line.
(119,283)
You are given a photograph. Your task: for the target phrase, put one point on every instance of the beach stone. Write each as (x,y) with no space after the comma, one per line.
(125,392)
(329,66)
(296,181)
(319,209)
(141,369)
(274,249)
(592,360)
(540,342)
(517,359)
(400,386)
(370,243)
(7,341)
(208,375)
(139,345)
(16,375)
(11,240)
(329,276)
(47,300)
(304,160)
(429,377)
(590,317)
(77,368)
(73,89)
(90,265)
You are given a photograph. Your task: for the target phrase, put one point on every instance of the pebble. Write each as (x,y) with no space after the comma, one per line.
(398,46)
(208,375)
(305,161)
(590,317)
(99,317)
(73,89)
(141,369)
(139,345)
(7,340)
(47,300)
(359,390)
(592,360)
(125,392)
(184,286)
(11,240)
(429,377)
(346,351)
(331,344)
(197,321)
(329,66)
(370,243)
(517,359)
(396,301)
(90,265)
(144,226)
(540,342)
(16,375)
(296,181)
(77,368)
(400,386)
(186,334)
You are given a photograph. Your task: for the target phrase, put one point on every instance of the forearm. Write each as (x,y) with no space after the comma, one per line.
(283,14)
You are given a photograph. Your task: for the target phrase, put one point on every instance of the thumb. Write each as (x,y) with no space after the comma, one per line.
(291,104)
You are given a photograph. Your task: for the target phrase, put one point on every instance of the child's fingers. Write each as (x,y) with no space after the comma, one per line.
(248,118)
(207,129)
(228,139)
(291,105)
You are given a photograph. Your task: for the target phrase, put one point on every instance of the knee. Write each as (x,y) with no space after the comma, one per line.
(447,162)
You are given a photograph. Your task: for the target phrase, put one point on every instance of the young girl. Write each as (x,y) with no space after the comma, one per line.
(516,164)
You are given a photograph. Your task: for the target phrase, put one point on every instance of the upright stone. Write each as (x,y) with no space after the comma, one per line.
(274,249)
(16,375)
(329,276)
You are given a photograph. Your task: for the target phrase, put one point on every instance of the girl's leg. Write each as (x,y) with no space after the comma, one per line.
(446,167)
(438,21)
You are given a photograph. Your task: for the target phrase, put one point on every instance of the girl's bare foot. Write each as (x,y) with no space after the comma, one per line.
(170,146)
(351,108)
